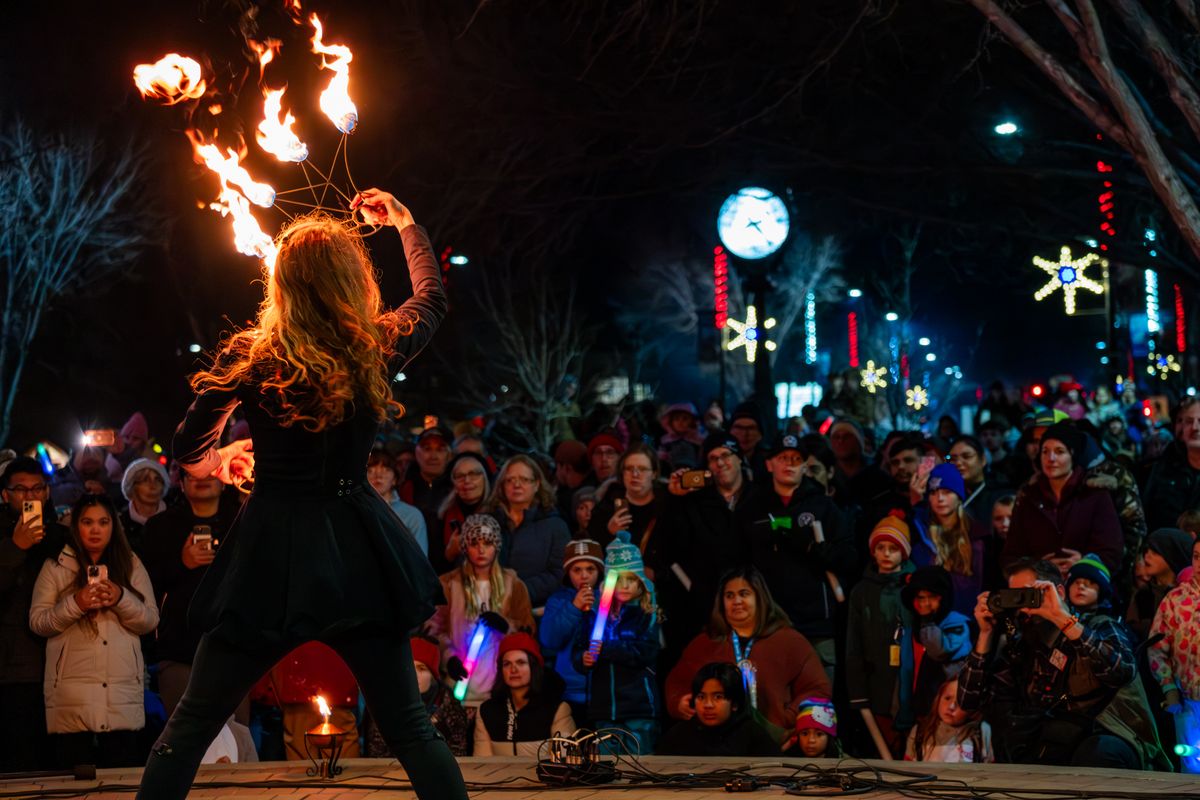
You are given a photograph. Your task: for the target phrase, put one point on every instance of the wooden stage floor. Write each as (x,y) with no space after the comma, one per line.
(513,779)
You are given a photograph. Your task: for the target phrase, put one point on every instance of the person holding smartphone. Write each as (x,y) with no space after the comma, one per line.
(92,602)
(29,535)
(315,553)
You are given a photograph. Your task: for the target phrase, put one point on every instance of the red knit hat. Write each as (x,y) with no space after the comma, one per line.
(426,652)
(603,439)
(520,641)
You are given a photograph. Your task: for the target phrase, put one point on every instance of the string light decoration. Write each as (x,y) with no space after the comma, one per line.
(873,377)
(720,287)
(1180,321)
(810,328)
(1162,366)
(1106,200)
(917,397)
(852,333)
(749,334)
(1068,274)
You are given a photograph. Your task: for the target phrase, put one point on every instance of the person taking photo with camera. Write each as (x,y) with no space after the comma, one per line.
(1056,690)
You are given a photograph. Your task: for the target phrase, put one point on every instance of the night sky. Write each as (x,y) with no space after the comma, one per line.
(568,136)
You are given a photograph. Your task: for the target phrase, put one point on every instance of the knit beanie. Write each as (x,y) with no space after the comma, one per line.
(602,439)
(716,440)
(583,550)
(892,528)
(574,454)
(946,476)
(480,528)
(623,556)
(136,426)
(520,641)
(1072,438)
(747,410)
(425,652)
(584,494)
(934,579)
(143,464)
(1091,568)
(816,713)
(1174,545)
(685,408)
(855,428)
(1047,417)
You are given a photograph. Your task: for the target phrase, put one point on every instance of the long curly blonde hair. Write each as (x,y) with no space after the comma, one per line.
(321,342)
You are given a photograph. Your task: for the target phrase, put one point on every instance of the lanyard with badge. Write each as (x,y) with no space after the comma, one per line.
(749,671)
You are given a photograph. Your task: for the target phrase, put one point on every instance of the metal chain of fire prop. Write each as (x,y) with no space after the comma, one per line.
(176,78)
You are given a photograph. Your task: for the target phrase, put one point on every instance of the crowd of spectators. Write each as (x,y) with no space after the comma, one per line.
(724,586)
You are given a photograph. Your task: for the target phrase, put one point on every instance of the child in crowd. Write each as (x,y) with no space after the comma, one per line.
(446,713)
(950,735)
(993,546)
(525,709)
(1089,587)
(939,640)
(622,689)
(1168,552)
(875,628)
(723,724)
(479,591)
(949,536)
(583,565)
(1175,661)
(1189,522)
(816,730)
(583,502)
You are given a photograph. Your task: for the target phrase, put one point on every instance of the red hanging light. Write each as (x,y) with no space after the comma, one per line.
(1180,321)
(852,331)
(720,287)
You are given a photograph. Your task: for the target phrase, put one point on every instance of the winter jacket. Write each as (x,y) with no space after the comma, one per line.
(502,730)
(781,543)
(93,679)
(1083,519)
(742,737)
(621,684)
(699,533)
(164,538)
(454,629)
(1143,606)
(787,671)
(877,622)
(535,550)
(560,622)
(643,529)
(1098,680)
(1113,477)
(1172,487)
(924,553)
(1175,659)
(23,652)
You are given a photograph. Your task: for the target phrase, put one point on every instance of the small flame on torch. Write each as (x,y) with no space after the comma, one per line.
(276,136)
(230,170)
(323,707)
(266,53)
(171,79)
(335,100)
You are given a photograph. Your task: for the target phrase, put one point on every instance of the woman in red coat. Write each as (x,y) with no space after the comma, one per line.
(747,629)
(1057,516)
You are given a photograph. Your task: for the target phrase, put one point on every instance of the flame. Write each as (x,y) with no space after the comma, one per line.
(230,170)
(248,237)
(275,136)
(171,79)
(266,53)
(335,100)
(323,707)
(293,8)
(214,109)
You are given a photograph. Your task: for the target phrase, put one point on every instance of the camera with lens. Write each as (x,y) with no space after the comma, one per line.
(1005,603)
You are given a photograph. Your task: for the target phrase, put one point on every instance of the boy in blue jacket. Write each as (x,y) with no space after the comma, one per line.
(583,568)
(939,639)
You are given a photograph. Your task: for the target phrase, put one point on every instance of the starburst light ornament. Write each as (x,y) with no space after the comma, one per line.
(917,397)
(1067,273)
(749,334)
(873,377)
(1162,366)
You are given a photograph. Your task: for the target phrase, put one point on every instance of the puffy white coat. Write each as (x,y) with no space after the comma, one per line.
(93,678)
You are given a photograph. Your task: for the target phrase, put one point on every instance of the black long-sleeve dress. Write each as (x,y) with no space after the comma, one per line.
(315,551)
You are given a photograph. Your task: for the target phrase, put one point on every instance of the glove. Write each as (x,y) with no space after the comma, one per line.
(1172,702)
(455,668)
(494,621)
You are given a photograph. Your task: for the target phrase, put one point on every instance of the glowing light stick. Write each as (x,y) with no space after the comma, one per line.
(44,458)
(478,637)
(606,598)
(1187,750)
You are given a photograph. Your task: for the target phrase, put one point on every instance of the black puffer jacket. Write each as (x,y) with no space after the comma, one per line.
(22,652)
(1172,487)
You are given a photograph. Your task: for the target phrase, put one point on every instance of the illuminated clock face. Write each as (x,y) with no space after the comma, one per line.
(753,223)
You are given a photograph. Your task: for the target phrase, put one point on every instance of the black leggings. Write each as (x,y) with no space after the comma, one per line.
(223,674)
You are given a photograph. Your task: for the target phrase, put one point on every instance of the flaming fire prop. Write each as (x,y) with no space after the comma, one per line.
(175,79)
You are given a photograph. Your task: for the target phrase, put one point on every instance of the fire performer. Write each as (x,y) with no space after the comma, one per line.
(316,554)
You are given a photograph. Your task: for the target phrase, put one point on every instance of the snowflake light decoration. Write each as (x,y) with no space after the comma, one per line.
(873,377)
(1162,366)
(749,334)
(917,397)
(1067,273)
